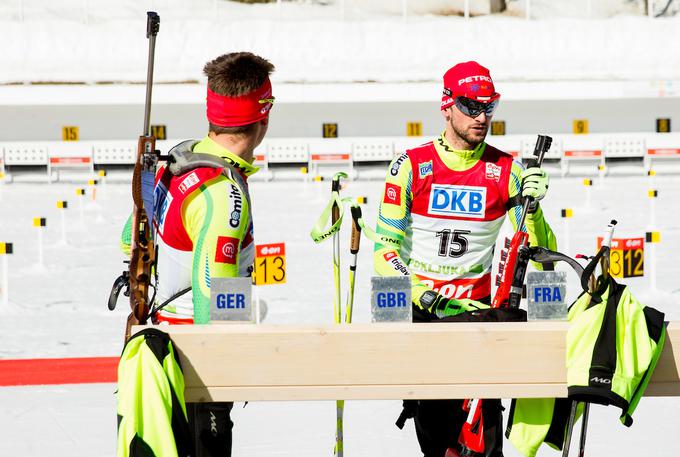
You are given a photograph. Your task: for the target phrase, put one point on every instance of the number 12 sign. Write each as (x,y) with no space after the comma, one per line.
(627,257)
(270,264)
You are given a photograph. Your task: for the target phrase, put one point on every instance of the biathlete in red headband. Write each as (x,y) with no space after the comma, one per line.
(203,215)
(445,201)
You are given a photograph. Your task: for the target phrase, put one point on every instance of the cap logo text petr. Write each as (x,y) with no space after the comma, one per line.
(470,79)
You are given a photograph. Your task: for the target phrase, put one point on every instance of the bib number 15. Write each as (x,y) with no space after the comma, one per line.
(452,243)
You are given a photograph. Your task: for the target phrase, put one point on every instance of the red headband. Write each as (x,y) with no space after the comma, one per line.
(226,111)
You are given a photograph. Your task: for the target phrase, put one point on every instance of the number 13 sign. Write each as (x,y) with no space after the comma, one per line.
(270,264)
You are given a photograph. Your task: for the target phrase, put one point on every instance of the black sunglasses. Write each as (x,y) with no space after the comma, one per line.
(473,108)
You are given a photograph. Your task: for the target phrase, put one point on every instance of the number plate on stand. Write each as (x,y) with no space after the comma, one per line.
(627,257)
(270,264)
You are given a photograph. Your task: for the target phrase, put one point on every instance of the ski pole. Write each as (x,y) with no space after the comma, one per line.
(355,241)
(604,264)
(584,428)
(591,284)
(335,216)
(337,311)
(570,427)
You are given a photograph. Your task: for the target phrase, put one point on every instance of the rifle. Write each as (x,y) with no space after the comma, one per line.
(510,281)
(137,279)
(515,257)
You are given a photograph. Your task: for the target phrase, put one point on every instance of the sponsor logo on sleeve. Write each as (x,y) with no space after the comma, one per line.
(236,204)
(392,194)
(425,169)
(188,182)
(493,171)
(465,201)
(226,250)
(396,263)
(394,170)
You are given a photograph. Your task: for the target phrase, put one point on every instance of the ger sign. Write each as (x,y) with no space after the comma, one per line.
(230,299)
(467,201)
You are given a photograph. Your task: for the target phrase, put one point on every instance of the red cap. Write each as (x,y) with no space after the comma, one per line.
(468,79)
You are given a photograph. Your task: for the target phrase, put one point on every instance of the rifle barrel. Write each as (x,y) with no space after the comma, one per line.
(152,27)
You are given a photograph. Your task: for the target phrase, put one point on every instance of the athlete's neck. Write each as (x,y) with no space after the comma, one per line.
(239,145)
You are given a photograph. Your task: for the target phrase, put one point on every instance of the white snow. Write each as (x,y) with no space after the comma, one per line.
(89,41)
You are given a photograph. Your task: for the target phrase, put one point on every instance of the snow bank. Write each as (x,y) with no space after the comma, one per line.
(94,41)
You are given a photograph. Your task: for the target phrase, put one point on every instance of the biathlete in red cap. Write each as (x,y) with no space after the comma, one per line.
(203,216)
(445,202)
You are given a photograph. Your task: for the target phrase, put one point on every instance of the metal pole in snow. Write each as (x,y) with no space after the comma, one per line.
(40,247)
(63,225)
(5,281)
(652,264)
(257,304)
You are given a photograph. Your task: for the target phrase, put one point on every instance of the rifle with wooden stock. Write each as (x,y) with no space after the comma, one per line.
(137,280)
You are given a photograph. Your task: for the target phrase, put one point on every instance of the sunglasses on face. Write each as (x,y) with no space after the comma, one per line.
(473,108)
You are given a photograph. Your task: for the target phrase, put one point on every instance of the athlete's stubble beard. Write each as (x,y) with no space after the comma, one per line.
(473,137)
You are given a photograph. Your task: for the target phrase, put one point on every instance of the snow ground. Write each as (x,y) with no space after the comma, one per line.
(60,311)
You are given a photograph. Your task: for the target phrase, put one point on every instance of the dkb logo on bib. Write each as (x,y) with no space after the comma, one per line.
(466,201)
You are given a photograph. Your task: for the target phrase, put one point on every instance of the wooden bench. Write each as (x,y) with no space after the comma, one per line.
(236,362)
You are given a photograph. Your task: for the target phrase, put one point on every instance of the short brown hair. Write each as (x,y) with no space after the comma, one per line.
(233,75)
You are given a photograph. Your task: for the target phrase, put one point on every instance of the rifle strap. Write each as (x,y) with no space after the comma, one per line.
(182,160)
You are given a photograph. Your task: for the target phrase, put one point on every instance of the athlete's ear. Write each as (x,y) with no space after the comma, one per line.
(447,114)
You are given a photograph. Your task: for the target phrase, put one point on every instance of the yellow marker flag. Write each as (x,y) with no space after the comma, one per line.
(653,237)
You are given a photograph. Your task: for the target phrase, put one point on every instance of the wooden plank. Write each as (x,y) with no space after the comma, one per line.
(387,361)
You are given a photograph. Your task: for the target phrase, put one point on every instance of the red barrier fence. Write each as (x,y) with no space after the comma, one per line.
(81,370)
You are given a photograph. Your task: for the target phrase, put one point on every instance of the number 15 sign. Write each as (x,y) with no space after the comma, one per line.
(270,264)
